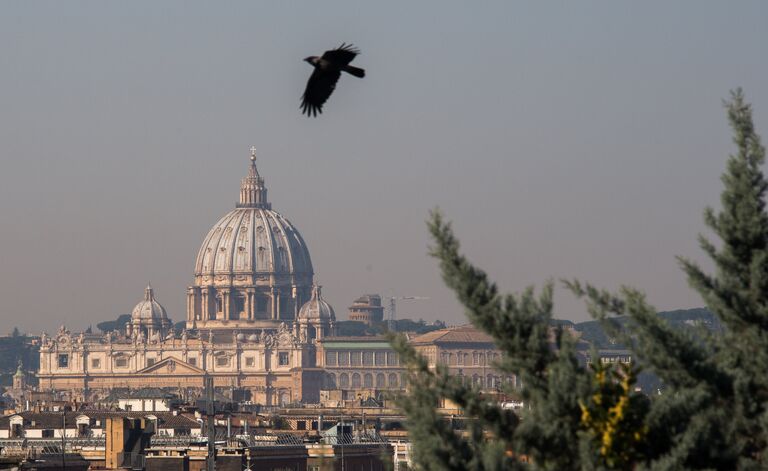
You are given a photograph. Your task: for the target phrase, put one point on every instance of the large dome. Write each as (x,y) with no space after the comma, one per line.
(253,268)
(248,240)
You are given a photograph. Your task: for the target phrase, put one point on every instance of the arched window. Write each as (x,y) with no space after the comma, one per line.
(239,302)
(219,303)
(344,381)
(368,380)
(392,380)
(475,380)
(381,381)
(355,380)
(330,381)
(489,383)
(284,398)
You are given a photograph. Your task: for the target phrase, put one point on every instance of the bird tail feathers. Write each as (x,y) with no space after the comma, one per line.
(357,72)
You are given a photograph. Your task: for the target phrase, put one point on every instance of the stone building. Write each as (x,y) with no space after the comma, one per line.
(245,322)
(468,353)
(255,322)
(367,309)
(358,368)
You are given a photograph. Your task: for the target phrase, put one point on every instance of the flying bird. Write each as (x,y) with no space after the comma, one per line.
(327,71)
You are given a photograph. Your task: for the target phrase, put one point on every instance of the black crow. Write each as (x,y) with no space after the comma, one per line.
(327,72)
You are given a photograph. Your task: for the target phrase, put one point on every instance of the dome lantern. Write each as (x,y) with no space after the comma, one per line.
(253,193)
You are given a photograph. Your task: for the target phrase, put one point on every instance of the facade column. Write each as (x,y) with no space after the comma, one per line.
(277,296)
(205,312)
(225,304)
(251,297)
(295,295)
(274,304)
(190,304)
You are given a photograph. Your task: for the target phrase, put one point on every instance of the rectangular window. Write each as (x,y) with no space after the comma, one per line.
(330,358)
(475,358)
(121,362)
(95,363)
(391,361)
(282,358)
(261,304)
(63,360)
(249,361)
(222,361)
(192,361)
(150,362)
(343,358)
(367,358)
(47,433)
(380,358)
(354,358)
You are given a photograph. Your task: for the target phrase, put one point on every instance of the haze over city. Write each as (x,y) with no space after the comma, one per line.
(562,140)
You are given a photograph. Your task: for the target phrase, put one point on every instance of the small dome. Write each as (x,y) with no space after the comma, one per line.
(253,338)
(316,307)
(149,308)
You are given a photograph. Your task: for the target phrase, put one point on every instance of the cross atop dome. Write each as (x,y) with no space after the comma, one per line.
(253,153)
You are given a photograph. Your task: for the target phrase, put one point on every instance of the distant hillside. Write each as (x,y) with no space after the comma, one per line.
(358,329)
(592,332)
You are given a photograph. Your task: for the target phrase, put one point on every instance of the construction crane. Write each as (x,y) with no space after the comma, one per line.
(393,307)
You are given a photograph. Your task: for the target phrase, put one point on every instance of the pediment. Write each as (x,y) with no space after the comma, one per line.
(171,365)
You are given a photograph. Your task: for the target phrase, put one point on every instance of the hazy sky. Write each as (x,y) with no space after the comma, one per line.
(562,138)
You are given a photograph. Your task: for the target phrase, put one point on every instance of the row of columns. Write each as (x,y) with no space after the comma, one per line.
(205,308)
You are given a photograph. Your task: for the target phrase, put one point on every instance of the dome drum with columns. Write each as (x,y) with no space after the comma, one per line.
(253,269)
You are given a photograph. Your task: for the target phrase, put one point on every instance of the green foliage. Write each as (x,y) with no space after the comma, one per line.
(351,329)
(712,414)
(179,327)
(361,329)
(612,419)
(117,324)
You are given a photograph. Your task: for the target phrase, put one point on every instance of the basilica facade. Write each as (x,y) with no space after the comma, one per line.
(257,324)
(253,320)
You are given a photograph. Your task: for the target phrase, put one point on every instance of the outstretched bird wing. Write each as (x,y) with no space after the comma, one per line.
(319,87)
(342,55)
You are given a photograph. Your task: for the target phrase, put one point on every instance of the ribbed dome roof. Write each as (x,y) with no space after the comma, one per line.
(316,307)
(253,238)
(148,308)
